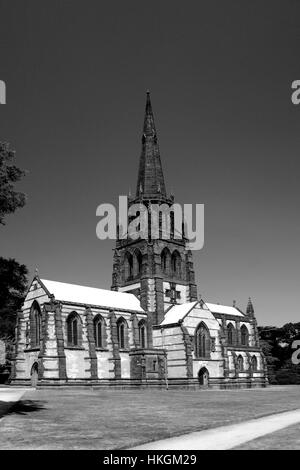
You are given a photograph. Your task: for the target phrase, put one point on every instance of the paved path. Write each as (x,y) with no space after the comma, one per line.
(226,437)
(8,397)
(11,394)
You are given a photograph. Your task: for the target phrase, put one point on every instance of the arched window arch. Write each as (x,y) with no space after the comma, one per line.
(137,263)
(230,334)
(35,325)
(240,363)
(122,330)
(202,341)
(244,335)
(74,330)
(165,260)
(176,263)
(128,264)
(99,331)
(254,363)
(142,334)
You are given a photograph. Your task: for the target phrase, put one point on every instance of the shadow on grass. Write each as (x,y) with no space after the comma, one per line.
(21,407)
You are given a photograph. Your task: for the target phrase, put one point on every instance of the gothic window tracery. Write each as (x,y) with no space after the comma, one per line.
(73,330)
(35,325)
(202,341)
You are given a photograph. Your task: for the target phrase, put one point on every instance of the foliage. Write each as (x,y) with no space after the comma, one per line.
(277,347)
(10,200)
(13,285)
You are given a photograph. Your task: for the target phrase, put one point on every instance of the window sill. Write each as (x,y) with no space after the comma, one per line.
(102,349)
(32,349)
(76,348)
(124,350)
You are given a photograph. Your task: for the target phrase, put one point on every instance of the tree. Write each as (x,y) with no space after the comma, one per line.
(13,285)
(10,200)
(276,344)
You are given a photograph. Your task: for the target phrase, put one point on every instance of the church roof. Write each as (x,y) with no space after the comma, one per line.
(224,309)
(178,312)
(92,296)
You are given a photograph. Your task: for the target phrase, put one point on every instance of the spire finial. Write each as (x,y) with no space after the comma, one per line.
(36,272)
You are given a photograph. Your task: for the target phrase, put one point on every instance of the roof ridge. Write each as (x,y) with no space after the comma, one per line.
(84,286)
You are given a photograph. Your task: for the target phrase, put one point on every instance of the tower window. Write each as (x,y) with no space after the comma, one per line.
(165,260)
(137,263)
(172,220)
(128,266)
(176,263)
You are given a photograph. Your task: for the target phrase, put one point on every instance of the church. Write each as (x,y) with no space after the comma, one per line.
(152,329)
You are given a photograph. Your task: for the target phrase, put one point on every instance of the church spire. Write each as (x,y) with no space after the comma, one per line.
(149,126)
(150,182)
(250,308)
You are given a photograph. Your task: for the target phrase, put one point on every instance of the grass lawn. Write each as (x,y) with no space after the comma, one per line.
(111,419)
(285,439)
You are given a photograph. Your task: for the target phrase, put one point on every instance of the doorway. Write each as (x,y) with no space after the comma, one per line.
(34,374)
(203,376)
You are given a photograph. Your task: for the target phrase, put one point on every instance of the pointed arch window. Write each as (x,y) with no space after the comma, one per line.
(240,363)
(176,263)
(138,258)
(254,363)
(202,341)
(128,262)
(244,336)
(74,330)
(122,330)
(143,334)
(35,325)
(99,331)
(165,260)
(230,334)
(172,224)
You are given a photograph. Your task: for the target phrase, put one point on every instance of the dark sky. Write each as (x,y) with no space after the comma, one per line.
(220,75)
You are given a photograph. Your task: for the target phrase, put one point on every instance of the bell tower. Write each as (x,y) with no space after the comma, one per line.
(158,270)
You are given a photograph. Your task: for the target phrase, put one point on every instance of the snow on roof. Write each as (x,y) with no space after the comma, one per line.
(92,296)
(178,312)
(224,309)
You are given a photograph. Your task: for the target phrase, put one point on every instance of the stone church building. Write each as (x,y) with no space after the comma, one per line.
(151,329)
